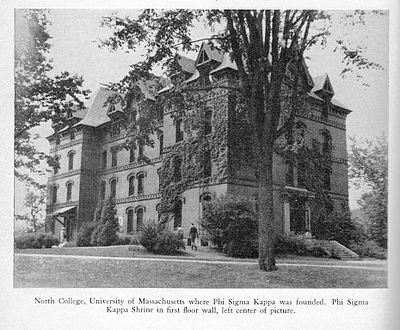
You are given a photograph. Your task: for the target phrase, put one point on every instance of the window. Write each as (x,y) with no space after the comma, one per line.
(207,164)
(113,188)
(158,212)
(301,174)
(161,138)
(141,152)
(178,130)
(70,161)
(205,81)
(140,179)
(326,143)
(178,214)
(57,139)
(104,160)
(129,224)
(102,190)
(177,169)
(115,129)
(289,178)
(139,219)
(131,185)
(207,121)
(72,134)
(114,157)
(57,165)
(327,178)
(69,191)
(131,155)
(54,194)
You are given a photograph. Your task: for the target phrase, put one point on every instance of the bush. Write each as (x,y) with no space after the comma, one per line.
(83,237)
(158,240)
(105,233)
(369,249)
(232,225)
(299,246)
(124,239)
(36,241)
(339,227)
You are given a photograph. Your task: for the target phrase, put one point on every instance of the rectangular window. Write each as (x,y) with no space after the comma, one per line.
(301,174)
(104,160)
(131,155)
(103,190)
(113,158)
(208,121)
(289,172)
(178,130)
(207,164)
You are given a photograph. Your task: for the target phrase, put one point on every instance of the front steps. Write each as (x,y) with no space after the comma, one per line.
(337,250)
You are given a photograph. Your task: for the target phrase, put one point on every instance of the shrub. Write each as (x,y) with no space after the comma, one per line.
(339,227)
(299,245)
(105,233)
(35,241)
(369,249)
(83,237)
(158,240)
(231,224)
(124,239)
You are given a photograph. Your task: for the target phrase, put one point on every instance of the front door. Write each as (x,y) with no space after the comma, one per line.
(297,215)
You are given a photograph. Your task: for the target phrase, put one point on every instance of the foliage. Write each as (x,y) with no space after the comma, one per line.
(155,238)
(299,246)
(35,241)
(339,227)
(35,203)
(85,233)
(124,239)
(369,249)
(230,222)
(39,97)
(268,48)
(106,231)
(369,169)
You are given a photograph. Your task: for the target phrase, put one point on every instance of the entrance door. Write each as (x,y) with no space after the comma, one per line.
(297,215)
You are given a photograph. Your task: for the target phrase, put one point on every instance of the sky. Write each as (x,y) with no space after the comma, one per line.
(75,49)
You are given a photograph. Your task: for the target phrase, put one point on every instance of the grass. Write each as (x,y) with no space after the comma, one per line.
(83,273)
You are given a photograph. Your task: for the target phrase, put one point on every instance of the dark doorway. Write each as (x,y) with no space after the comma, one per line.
(297,215)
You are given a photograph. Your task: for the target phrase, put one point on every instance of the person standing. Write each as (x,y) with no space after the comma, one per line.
(193,235)
(180,235)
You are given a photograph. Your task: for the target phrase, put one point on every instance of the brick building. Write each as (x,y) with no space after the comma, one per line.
(92,167)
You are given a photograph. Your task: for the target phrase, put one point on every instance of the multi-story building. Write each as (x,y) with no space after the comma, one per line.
(92,166)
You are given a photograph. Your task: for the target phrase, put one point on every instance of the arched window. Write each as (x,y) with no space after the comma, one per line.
(102,190)
(207,164)
(69,191)
(70,160)
(139,219)
(161,138)
(207,121)
(113,188)
(129,224)
(178,130)
(178,214)
(104,160)
(131,189)
(54,194)
(114,157)
(140,178)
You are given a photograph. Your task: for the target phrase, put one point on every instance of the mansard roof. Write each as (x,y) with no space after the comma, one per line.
(212,52)
(187,64)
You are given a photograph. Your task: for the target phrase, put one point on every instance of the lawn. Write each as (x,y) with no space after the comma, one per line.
(49,271)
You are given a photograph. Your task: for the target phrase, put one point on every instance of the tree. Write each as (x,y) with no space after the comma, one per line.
(35,203)
(369,169)
(39,96)
(268,48)
(106,231)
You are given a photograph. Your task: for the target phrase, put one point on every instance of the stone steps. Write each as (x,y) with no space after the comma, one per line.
(337,250)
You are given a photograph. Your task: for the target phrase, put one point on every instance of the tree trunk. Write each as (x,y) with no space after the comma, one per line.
(266,223)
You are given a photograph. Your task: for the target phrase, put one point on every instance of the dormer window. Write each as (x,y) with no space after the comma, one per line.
(203,58)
